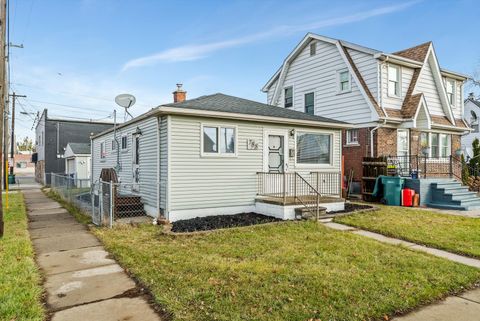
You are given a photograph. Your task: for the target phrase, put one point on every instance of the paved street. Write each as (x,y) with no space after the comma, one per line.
(81,281)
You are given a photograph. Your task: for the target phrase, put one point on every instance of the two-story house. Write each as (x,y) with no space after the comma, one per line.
(52,134)
(398,103)
(471,115)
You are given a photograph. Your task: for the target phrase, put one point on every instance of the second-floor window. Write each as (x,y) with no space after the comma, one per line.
(313,48)
(310,103)
(124,142)
(450,89)
(393,81)
(344,81)
(288,93)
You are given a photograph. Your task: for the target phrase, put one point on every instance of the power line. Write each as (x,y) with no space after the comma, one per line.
(62,105)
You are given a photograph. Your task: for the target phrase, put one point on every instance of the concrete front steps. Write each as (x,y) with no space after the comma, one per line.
(452,195)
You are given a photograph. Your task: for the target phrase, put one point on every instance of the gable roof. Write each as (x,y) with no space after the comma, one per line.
(417,53)
(80,148)
(474,101)
(229,104)
(362,82)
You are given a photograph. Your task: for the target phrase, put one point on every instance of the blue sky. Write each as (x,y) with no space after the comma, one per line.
(80,54)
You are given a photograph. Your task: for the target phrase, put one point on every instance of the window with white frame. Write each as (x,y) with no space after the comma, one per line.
(352,136)
(344,81)
(310,103)
(124,142)
(313,48)
(288,96)
(450,89)
(313,148)
(218,140)
(439,144)
(393,81)
(103,153)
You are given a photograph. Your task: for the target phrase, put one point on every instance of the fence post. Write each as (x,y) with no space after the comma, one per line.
(451,166)
(284,188)
(112,203)
(340,181)
(294,187)
(424,166)
(100,202)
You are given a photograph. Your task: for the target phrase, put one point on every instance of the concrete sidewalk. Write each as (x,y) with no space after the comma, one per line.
(81,281)
(465,306)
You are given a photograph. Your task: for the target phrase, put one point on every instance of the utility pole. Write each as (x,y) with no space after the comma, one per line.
(12,139)
(3,89)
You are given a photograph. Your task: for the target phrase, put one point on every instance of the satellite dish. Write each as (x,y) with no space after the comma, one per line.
(126,101)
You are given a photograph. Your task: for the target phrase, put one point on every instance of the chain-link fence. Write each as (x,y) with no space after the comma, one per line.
(73,190)
(106,202)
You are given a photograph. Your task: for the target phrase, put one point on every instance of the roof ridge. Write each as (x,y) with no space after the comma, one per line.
(417,53)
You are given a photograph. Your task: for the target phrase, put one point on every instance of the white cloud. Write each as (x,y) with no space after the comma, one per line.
(195,52)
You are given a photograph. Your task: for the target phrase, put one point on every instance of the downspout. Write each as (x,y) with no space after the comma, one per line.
(117,147)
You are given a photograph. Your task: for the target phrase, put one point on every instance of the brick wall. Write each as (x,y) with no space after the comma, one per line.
(386,141)
(353,154)
(456,143)
(415,147)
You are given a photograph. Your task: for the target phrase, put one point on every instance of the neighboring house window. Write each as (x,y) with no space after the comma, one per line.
(313,48)
(218,140)
(393,81)
(310,103)
(445,146)
(474,121)
(114,144)
(288,92)
(352,136)
(450,88)
(313,148)
(124,142)
(103,154)
(344,81)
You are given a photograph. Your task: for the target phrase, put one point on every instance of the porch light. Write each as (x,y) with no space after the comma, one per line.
(292,132)
(138,131)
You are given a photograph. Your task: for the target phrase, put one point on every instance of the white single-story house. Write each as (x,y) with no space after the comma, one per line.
(220,154)
(77,160)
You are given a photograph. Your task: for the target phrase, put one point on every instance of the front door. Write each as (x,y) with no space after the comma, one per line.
(403,152)
(276,154)
(135,163)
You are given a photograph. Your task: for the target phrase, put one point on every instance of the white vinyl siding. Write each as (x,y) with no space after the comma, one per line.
(367,66)
(467,140)
(426,84)
(148,158)
(319,74)
(204,182)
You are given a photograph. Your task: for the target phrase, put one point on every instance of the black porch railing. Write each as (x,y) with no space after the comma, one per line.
(424,166)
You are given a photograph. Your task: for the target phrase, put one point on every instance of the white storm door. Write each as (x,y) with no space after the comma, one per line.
(136,163)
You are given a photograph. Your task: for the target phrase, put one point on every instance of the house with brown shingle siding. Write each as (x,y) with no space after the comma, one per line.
(396,102)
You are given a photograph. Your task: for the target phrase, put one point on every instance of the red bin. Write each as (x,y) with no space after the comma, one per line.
(407,197)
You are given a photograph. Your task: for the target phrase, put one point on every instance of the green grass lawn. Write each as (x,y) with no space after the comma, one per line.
(287,271)
(20,289)
(449,232)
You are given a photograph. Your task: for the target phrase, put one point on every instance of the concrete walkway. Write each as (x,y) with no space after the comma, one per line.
(81,281)
(465,306)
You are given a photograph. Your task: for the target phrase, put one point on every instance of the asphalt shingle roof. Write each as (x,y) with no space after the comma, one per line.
(230,104)
(80,148)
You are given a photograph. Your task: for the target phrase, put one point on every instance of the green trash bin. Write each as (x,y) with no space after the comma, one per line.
(11,178)
(392,190)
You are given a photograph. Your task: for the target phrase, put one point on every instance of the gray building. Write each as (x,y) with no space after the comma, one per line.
(52,137)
